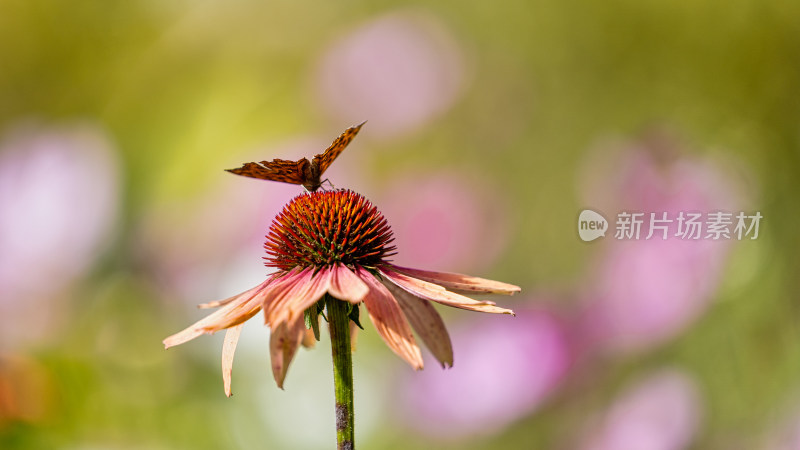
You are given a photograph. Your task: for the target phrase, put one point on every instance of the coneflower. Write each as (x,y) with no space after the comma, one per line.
(331,250)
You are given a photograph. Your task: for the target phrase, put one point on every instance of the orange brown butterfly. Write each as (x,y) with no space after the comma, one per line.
(304,172)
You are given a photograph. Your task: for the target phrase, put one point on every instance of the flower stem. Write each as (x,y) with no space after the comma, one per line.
(339,325)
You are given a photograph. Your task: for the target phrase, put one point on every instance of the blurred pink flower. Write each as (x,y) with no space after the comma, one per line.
(502,371)
(654,172)
(433,215)
(398,71)
(644,292)
(661,412)
(58,204)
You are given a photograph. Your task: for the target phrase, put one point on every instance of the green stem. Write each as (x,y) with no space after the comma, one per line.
(339,325)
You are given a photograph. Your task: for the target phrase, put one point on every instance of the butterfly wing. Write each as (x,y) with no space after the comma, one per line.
(323,161)
(276,170)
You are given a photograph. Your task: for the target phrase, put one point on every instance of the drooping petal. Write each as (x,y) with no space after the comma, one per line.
(345,285)
(228,349)
(218,303)
(283,344)
(236,311)
(243,313)
(291,298)
(457,282)
(426,322)
(436,293)
(281,291)
(389,320)
(309,340)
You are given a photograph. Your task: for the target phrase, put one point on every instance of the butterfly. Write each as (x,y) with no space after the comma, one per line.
(304,172)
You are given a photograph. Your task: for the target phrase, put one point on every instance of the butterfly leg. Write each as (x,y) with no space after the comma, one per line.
(332,187)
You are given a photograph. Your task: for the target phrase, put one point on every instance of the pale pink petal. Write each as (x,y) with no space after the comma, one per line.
(389,320)
(345,285)
(436,293)
(218,303)
(426,322)
(238,315)
(228,349)
(281,291)
(288,300)
(457,282)
(283,344)
(241,308)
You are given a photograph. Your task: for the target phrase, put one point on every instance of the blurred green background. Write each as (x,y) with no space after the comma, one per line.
(491,125)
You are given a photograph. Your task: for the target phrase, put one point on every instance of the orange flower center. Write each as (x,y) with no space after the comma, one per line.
(326,227)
